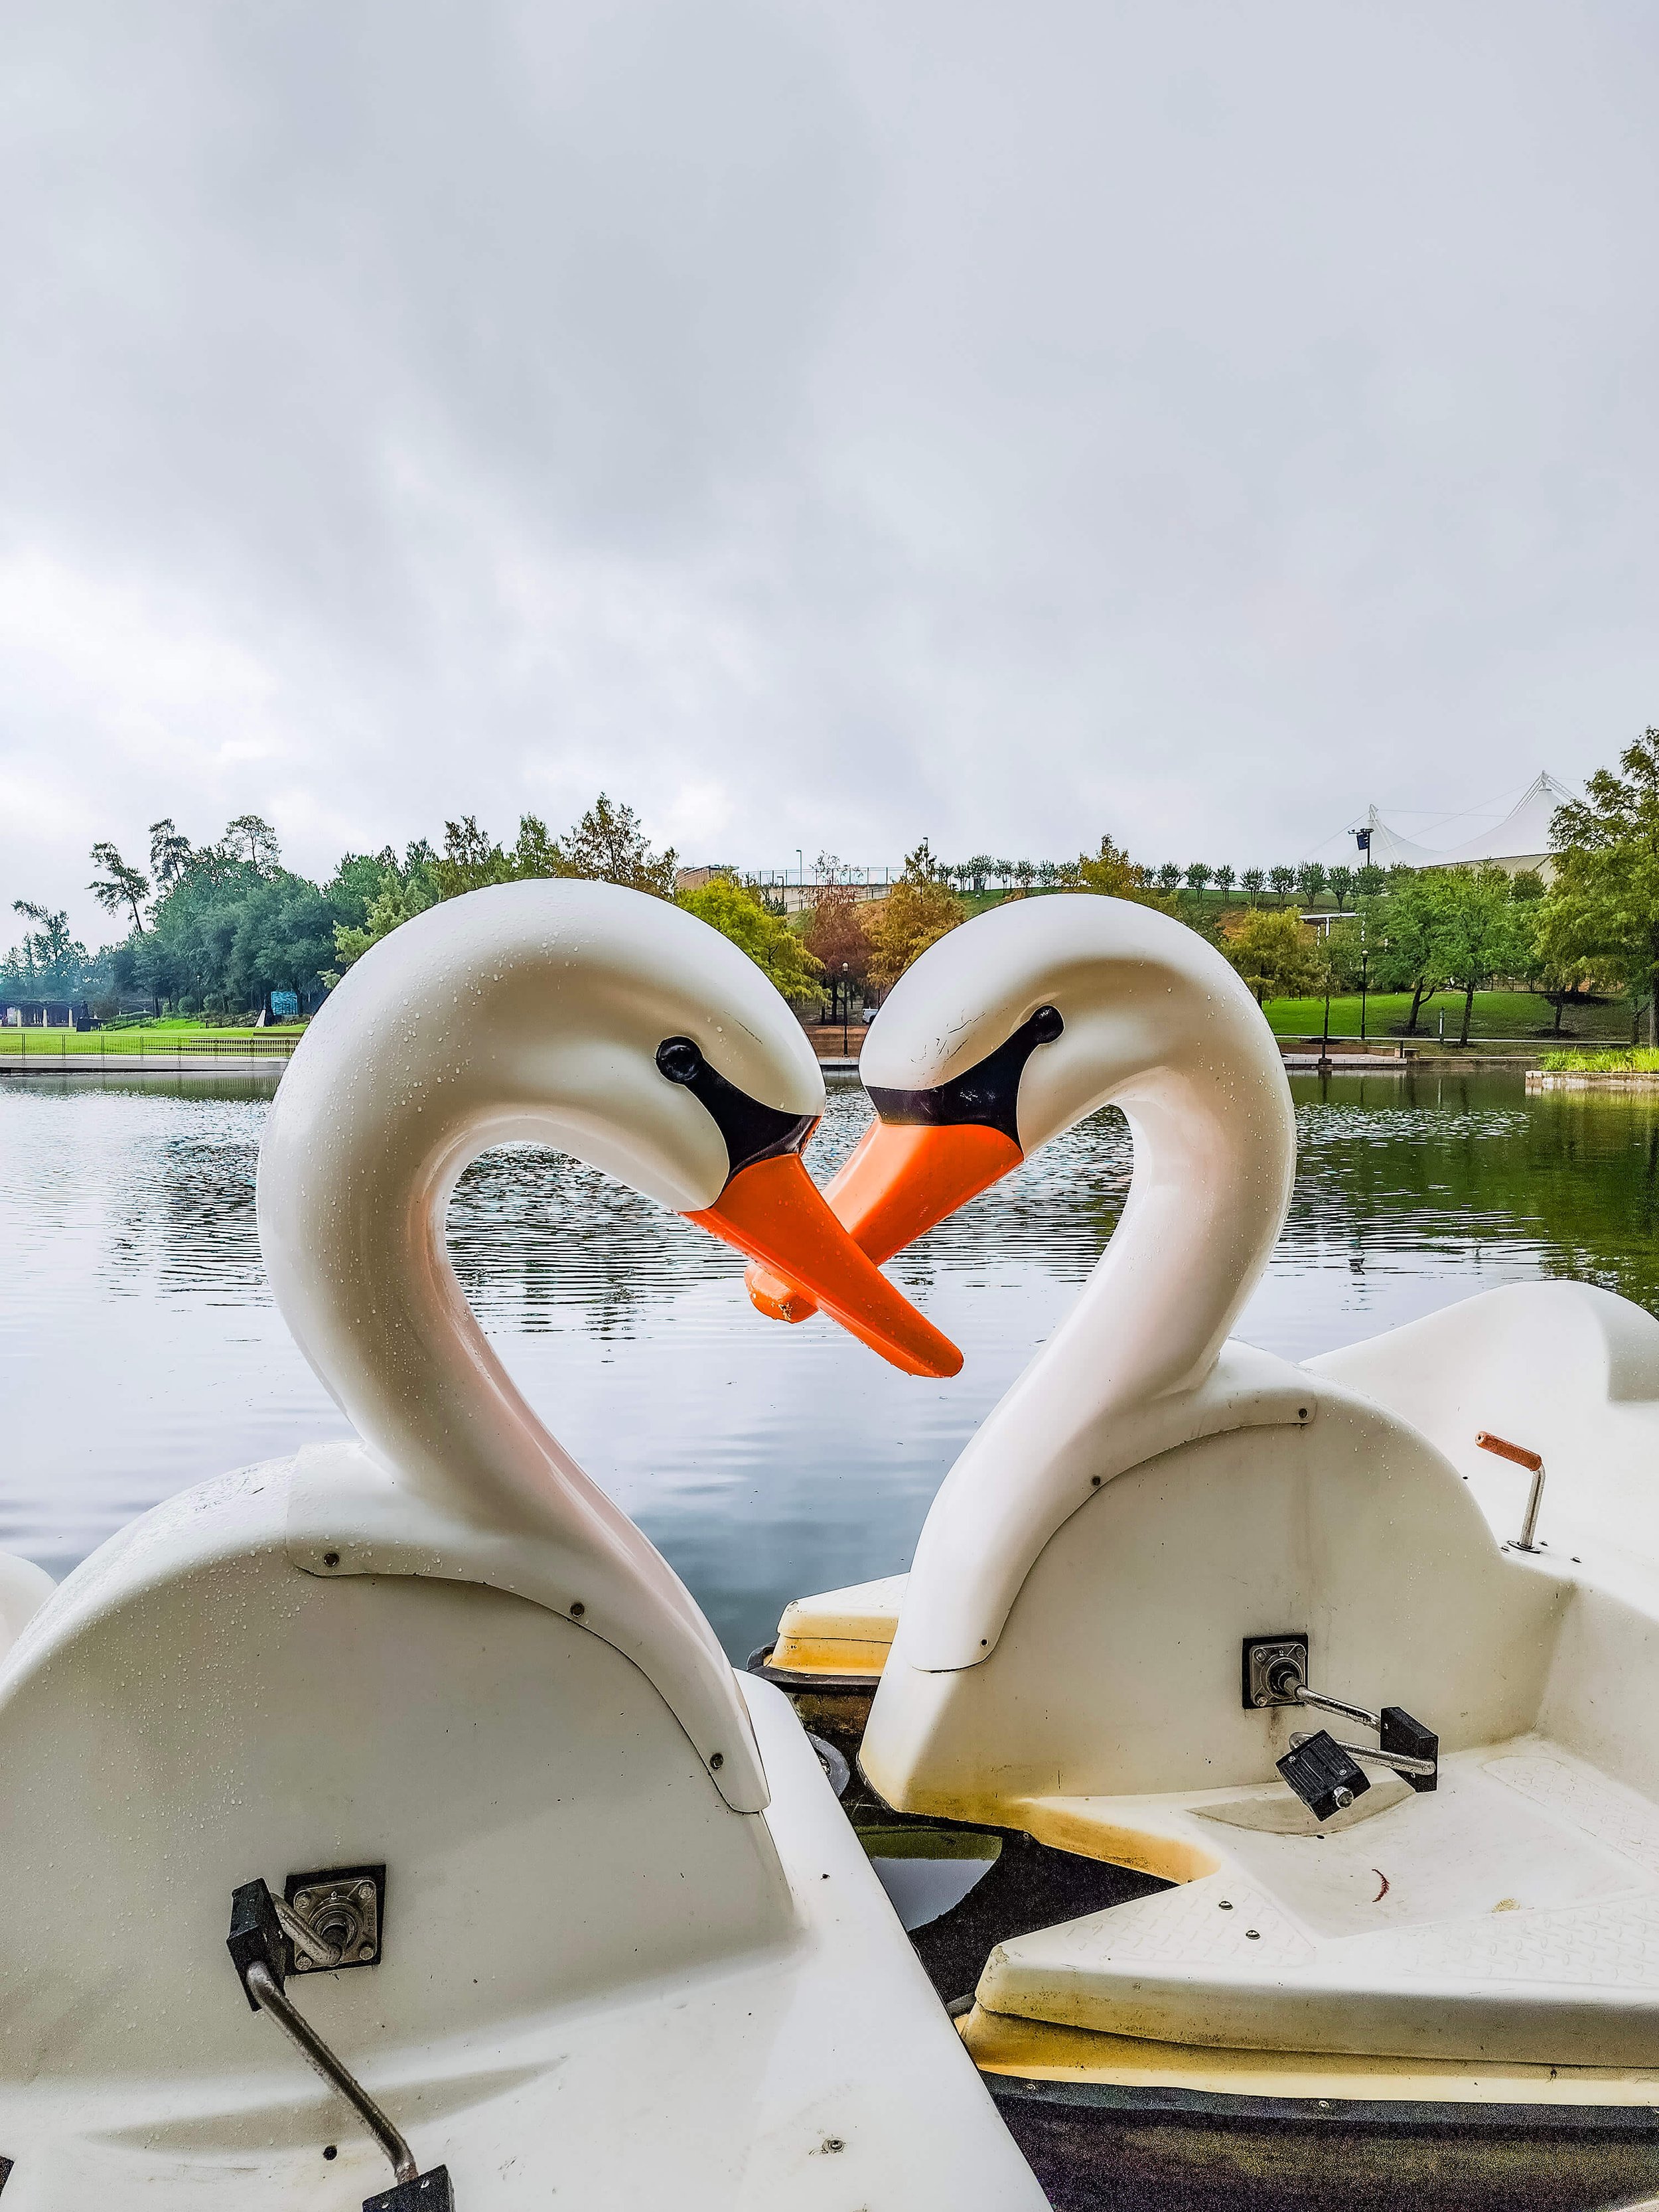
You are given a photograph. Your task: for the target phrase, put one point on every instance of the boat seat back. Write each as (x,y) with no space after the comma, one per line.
(1119,1669)
(1563,1369)
(195,1712)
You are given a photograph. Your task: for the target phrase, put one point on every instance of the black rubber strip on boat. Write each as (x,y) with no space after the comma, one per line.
(1414,2116)
(987,1095)
(788,1678)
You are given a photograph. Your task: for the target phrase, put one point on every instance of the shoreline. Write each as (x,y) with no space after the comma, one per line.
(1593,1078)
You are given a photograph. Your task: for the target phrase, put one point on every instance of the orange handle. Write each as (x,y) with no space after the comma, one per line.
(1531,1459)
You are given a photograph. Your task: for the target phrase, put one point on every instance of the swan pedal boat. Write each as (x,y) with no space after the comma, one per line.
(587,1925)
(1447,1990)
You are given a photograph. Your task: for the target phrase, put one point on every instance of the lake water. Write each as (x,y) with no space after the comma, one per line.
(140,1351)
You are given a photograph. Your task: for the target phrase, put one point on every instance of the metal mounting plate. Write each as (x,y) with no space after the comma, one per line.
(346,1905)
(1261,1655)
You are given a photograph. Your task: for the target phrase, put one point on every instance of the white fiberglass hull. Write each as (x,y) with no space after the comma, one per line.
(821,2072)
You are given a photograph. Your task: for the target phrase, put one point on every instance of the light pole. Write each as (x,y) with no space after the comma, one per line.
(844,1046)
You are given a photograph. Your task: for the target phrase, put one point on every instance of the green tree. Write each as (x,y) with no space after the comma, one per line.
(251,838)
(471,860)
(1253,883)
(1602,910)
(733,909)
(1407,950)
(119,885)
(1343,950)
(50,963)
(1169,876)
(1198,875)
(1112,872)
(1283,881)
(834,936)
(379,895)
(281,939)
(916,913)
(608,846)
(1339,882)
(1560,983)
(357,881)
(169,854)
(229,932)
(1276,954)
(1477,933)
(1225,877)
(1311,881)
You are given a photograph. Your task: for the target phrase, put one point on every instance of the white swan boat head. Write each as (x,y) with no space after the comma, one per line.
(630,1948)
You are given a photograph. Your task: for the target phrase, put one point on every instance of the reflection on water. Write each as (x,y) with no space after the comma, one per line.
(139,1350)
(927,1872)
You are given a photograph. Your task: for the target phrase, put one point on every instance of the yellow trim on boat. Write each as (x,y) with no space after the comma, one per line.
(998,2044)
(841,1632)
(829,1654)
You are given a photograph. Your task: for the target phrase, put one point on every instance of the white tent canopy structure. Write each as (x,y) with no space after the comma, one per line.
(1521,841)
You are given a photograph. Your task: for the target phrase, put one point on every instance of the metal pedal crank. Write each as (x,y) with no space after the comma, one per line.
(263,1938)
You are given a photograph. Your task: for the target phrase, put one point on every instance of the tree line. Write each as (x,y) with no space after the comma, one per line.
(1418,931)
(216,928)
(1594,928)
(1309,881)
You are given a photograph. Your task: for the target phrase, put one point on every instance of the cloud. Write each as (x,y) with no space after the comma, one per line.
(819,426)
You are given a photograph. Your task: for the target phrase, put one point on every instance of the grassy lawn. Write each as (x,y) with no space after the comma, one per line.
(168,1025)
(1518,1014)
(169,1036)
(1496,1014)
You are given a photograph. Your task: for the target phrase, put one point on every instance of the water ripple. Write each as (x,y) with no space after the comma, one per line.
(140,1350)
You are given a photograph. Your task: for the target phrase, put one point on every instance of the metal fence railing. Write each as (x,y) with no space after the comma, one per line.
(1428,1044)
(86,1050)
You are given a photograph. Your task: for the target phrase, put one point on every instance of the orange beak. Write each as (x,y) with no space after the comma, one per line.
(773,1211)
(903,1178)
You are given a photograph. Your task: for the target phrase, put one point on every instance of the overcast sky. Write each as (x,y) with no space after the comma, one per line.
(819,424)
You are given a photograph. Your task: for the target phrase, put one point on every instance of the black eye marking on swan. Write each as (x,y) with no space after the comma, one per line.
(752,1132)
(988,1094)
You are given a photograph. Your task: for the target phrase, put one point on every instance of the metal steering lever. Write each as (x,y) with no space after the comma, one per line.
(1400,1761)
(261,1946)
(262,1984)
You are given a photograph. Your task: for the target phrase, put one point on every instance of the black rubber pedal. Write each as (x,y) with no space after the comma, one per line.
(256,1937)
(1322,1775)
(427,2193)
(1400,1732)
